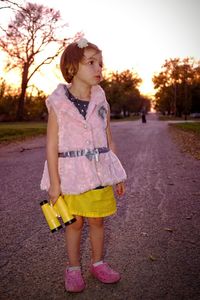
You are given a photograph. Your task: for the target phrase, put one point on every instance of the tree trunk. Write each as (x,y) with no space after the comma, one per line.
(20,110)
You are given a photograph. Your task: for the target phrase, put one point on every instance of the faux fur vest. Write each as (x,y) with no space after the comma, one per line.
(79,174)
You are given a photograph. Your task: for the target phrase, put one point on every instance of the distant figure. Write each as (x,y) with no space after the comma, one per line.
(143,114)
(81,163)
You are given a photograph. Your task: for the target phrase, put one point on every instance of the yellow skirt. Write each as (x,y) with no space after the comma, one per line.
(94,203)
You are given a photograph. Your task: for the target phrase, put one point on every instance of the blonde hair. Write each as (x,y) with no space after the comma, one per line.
(71,57)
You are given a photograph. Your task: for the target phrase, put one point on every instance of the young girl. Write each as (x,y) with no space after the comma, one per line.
(81,164)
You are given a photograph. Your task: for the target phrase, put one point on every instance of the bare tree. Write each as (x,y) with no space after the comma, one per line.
(34,31)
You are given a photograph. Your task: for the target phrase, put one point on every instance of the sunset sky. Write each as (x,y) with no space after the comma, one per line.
(133,34)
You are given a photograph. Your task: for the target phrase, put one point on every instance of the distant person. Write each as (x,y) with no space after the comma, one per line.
(81,161)
(143,114)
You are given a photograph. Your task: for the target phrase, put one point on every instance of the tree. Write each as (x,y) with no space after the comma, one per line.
(122,91)
(7,102)
(35,30)
(196,90)
(174,86)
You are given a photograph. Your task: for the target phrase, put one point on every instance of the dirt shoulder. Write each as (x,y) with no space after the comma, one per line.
(188,142)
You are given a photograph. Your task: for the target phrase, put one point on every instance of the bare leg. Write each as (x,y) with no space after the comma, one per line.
(73,238)
(96,238)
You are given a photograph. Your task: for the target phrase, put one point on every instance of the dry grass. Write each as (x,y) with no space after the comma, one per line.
(188,141)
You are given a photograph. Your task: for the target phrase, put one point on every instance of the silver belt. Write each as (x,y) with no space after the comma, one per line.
(89,153)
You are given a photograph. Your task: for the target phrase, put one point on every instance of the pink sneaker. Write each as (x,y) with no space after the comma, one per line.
(104,273)
(74,281)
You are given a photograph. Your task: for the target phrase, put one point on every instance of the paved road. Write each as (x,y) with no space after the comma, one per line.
(153,240)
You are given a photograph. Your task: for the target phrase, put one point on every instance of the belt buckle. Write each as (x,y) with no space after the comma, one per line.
(89,154)
(79,153)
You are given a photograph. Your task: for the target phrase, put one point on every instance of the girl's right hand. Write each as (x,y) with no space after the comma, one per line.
(54,192)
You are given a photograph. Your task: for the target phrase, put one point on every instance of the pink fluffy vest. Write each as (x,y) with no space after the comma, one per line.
(79,174)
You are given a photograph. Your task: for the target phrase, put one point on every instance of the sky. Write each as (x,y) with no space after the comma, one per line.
(138,35)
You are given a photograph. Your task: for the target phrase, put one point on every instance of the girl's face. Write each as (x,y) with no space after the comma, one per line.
(90,68)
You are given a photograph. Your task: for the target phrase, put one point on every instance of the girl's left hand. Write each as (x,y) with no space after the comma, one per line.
(120,189)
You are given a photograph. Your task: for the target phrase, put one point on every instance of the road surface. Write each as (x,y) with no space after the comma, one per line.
(153,240)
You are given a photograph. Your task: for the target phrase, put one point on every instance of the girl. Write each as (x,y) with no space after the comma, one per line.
(81,164)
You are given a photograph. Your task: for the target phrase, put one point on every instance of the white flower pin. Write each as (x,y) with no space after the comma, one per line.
(82,43)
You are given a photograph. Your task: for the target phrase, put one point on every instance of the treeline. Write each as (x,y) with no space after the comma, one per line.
(34,105)
(34,30)
(178,87)
(121,90)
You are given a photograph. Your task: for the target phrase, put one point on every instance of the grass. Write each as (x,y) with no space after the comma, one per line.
(20,130)
(190,127)
(174,118)
(13,131)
